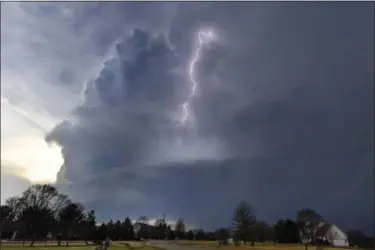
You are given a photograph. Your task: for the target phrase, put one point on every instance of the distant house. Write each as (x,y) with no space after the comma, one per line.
(332,234)
(328,233)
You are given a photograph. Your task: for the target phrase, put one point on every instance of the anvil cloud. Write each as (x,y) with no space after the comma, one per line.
(283,110)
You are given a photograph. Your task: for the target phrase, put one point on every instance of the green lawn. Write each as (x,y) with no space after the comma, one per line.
(128,245)
(73,244)
(257,246)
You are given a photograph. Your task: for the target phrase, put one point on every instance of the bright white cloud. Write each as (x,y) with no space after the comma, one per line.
(40,52)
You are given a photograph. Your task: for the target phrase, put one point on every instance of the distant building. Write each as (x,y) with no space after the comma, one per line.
(333,235)
(328,233)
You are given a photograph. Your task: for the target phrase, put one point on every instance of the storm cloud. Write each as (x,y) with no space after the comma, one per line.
(283,113)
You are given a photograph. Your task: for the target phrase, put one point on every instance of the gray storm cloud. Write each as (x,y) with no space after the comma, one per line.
(284,113)
(128,118)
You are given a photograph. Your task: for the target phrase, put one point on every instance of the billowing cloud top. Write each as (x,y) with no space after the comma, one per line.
(282,116)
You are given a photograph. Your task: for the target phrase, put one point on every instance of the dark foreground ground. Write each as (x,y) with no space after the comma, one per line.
(158,245)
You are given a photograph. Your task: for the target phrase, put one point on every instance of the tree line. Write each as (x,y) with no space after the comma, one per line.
(42,213)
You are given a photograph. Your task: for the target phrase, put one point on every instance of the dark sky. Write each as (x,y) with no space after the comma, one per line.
(284,113)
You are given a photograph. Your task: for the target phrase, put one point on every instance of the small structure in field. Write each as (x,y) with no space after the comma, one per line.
(329,234)
(333,235)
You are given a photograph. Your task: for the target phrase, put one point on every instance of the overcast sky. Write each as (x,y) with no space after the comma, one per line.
(92,97)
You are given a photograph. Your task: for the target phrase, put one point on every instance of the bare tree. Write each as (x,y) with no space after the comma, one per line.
(180,228)
(142,219)
(308,221)
(88,226)
(144,231)
(244,220)
(15,205)
(69,218)
(37,209)
(160,228)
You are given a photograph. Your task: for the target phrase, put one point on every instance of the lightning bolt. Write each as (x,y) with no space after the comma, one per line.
(204,37)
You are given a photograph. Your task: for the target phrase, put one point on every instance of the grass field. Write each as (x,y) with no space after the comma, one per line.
(77,245)
(257,246)
(127,245)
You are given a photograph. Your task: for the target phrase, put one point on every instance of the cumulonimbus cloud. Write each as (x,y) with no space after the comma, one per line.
(128,116)
(276,111)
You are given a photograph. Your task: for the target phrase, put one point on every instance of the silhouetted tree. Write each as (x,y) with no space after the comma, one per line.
(262,231)
(102,232)
(15,206)
(180,228)
(69,218)
(307,222)
(286,231)
(118,227)
(200,235)
(190,235)
(143,219)
(87,227)
(37,209)
(359,239)
(39,221)
(128,229)
(41,209)
(244,220)
(171,233)
(211,235)
(145,229)
(5,212)
(160,228)
(111,229)
(222,235)
(8,221)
